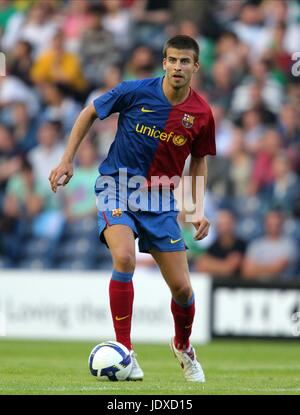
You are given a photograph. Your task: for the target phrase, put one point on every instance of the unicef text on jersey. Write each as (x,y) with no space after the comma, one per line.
(155,194)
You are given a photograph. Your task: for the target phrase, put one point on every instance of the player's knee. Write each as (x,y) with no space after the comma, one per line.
(182,293)
(124,261)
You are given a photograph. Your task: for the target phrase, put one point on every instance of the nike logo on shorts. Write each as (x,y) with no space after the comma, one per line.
(174,241)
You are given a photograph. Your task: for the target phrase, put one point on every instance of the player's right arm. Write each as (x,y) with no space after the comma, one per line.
(79,130)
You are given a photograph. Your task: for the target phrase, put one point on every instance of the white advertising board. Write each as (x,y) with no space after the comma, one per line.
(75,305)
(256,312)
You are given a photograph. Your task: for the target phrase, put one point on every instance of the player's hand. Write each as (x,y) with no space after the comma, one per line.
(63,169)
(202,227)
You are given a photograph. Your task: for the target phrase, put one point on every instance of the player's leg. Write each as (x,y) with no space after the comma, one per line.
(120,240)
(174,268)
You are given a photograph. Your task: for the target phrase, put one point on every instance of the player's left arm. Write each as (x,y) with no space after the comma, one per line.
(198,168)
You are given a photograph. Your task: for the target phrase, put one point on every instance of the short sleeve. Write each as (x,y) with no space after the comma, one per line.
(205,143)
(112,101)
(253,252)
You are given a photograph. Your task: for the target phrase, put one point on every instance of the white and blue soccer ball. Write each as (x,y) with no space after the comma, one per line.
(110,360)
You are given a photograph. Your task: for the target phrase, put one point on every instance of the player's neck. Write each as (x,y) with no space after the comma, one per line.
(175,96)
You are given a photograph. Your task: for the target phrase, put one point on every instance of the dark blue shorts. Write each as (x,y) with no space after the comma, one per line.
(160,231)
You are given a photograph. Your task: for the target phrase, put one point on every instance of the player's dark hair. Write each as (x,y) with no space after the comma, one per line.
(182,42)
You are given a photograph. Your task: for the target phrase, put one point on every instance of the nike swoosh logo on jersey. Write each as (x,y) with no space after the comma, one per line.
(174,241)
(187,327)
(145,110)
(121,318)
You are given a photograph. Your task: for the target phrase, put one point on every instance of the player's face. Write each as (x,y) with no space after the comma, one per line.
(180,66)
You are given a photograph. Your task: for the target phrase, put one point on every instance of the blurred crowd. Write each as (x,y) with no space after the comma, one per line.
(61,54)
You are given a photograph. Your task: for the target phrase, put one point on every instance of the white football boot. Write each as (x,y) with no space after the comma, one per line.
(136,371)
(192,369)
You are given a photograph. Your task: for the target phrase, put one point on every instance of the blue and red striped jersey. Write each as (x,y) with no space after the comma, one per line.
(154,137)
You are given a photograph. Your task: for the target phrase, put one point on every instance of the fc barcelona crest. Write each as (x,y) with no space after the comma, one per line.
(117,212)
(188,121)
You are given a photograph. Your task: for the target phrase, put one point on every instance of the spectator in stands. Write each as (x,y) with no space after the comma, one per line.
(141,64)
(284,191)
(286,13)
(253,130)
(59,106)
(13,89)
(221,84)
(190,28)
(9,161)
(97,47)
(24,127)
(240,166)
(22,203)
(79,197)
(277,53)
(224,257)
(49,149)
(57,65)
(258,89)
(249,28)
(37,27)
(272,256)
(151,18)
(19,61)
(119,22)
(7,10)
(224,130)
(262,170)
(23,196)
(112,77)
(232,51)
(103,131)
(74,22)
(289,125)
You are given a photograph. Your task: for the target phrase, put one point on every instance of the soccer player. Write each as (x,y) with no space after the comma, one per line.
(162,121)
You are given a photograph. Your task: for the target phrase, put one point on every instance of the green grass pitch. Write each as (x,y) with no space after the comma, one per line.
(231,367)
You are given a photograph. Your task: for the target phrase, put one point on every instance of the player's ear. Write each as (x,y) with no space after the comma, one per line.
(196,67)
(164,63)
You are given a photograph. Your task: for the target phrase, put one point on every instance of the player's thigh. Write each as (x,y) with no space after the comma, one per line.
(121,242)
(175,270)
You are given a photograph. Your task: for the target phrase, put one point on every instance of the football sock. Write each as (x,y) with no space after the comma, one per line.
(183,315)
(121,295)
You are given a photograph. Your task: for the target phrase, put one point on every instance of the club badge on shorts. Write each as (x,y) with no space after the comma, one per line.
(117,212)
(188,121)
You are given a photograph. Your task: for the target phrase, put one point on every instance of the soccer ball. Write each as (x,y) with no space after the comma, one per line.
(110,360)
